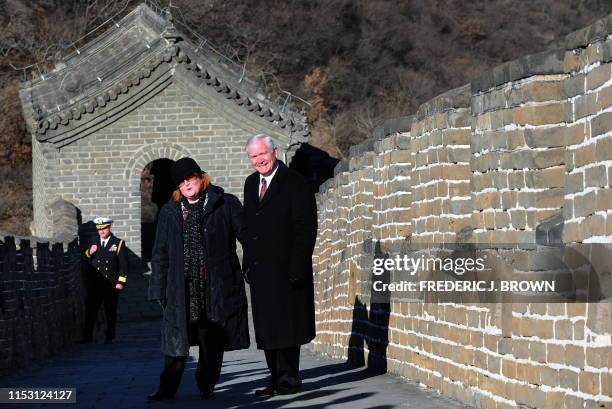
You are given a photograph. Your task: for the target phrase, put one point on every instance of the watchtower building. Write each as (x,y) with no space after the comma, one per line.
(141,94)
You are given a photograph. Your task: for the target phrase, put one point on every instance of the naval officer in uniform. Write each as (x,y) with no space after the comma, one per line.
(108,257)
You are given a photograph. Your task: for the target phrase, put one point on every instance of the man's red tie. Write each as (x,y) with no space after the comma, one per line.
(263,189)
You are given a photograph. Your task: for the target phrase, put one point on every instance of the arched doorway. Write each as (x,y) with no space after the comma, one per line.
(155,190)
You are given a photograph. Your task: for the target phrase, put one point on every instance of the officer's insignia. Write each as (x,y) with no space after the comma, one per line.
(113,248)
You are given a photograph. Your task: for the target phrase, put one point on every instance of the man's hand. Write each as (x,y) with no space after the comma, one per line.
(93,249)
(119,286)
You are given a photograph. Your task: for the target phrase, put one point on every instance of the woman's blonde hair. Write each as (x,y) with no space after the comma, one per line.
(177,196)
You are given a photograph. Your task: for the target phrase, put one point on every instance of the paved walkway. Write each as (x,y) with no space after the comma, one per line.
(122,374)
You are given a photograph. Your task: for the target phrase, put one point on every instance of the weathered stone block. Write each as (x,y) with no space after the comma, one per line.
(555,354)
(554,113)
(601,124)
(604,200)
(598,76)
(604,149)
(555,400)
(575,182)
(549,158)
(557,136)
(516,180)
(549,376)
(550,198)
(588,382)
(564,330)
(574,85)
(574,356)
(568,379)
(546,178)
(536,91)
(596,176)
(585,204)
(537,352)
(599,318)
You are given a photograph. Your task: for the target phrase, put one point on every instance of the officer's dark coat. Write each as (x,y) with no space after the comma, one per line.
(110,261)
(278,241)
(226,302)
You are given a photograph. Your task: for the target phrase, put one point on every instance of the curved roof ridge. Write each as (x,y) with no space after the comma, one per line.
(94,75)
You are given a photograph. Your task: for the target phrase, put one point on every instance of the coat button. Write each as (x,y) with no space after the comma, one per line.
(256,263)
(255,237)
(256,213)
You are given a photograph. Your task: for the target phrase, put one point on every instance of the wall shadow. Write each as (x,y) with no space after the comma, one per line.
(370,329)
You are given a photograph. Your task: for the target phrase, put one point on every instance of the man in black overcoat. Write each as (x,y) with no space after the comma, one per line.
(108,259)
(280,228)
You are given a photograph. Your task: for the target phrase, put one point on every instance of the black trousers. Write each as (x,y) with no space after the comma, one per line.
(210,337)
(284,366)
(101,291)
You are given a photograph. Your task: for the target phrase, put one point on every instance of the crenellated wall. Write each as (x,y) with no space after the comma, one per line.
(41,300)
(522,154)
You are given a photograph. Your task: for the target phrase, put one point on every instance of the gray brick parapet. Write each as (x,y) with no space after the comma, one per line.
(523,155)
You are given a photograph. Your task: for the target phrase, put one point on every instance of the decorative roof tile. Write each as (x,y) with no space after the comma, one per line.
(120,60)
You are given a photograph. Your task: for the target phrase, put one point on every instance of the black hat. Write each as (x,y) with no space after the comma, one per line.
(182,169)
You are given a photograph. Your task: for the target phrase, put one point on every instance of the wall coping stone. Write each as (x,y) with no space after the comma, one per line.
(544,63)
(460,97)
(342,166)
(393,125)
(588,35)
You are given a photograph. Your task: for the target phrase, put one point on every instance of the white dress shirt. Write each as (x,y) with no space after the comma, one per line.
(267,178)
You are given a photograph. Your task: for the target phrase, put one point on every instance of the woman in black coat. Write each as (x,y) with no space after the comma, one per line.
(196,278)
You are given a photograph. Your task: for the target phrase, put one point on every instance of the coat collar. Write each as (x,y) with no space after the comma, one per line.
(215,193)
(108,242)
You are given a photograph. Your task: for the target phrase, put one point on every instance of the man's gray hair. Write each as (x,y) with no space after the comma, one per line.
(262,137)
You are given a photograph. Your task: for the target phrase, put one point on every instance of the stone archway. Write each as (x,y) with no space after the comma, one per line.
(155,190)
(133,174)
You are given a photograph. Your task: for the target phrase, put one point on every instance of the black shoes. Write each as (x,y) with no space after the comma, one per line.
(281,389)
(266,392)
(207,393)
(288,389)
(157,396)
(285,385)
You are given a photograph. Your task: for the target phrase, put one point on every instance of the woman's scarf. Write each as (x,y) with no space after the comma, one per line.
(194,256)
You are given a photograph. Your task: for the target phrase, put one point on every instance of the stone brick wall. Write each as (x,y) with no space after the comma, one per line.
(42,160)
(100,174)
(522,154)
(41,300)
(97,167)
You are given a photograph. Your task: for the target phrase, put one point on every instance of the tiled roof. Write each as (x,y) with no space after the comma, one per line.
(90,83)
